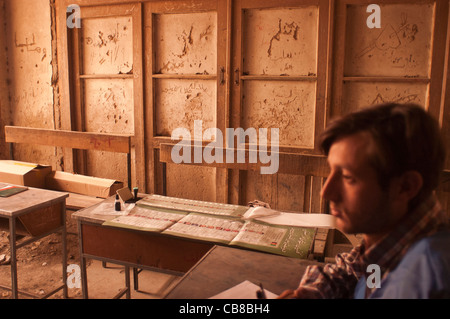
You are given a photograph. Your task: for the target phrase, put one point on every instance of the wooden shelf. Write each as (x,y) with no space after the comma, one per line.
(106,76)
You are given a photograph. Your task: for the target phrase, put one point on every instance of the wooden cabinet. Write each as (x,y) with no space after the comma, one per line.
(150,67)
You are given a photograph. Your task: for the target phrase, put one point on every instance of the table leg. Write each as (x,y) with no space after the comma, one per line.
(64,251)
(12,247)
(127,282)
(84,284)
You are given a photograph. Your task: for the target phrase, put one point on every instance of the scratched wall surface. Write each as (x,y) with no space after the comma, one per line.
(401,47)
(108,106)
(185,43)
(29,57)
(280,41)
(108,109)
(281,191)
(360,95)
(192,182)
(180,102)
(107,45)
(288,106)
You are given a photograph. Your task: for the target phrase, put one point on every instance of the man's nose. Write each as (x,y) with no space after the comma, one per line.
(330,190)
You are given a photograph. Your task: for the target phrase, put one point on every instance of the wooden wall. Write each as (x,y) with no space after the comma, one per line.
(4,102)
(149,67)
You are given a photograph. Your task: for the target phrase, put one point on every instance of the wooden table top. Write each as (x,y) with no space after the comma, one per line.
(31,199)
(225,267)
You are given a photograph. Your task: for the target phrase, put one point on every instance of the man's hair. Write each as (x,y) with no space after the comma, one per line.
(405,137)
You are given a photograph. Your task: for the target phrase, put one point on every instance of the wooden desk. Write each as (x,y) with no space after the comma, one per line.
(225,267)
(132,248)
(136,247)
(36,213)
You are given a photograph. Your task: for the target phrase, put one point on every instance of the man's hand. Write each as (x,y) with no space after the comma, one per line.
(287,294)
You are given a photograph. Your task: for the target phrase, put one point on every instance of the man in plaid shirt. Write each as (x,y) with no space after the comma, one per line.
(385,162)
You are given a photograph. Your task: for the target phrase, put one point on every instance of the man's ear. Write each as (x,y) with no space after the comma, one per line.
(411,183)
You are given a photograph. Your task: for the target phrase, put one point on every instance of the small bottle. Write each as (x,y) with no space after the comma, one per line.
(117,203)
(135,191)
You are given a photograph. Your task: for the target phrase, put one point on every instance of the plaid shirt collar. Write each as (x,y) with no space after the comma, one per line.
(424,220)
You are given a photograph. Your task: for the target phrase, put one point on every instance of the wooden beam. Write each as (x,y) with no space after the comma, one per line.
(119,143)
(295,164)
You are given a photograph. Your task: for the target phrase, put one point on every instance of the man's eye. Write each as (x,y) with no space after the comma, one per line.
(348,178)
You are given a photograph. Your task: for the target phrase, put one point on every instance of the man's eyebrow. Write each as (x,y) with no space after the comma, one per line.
(343,166)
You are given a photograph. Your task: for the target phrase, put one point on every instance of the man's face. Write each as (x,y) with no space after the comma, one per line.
(352,188)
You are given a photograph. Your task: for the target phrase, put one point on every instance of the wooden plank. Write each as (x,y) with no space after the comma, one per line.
(438,56)
(295,164)
(138,91)
(445,104)
(78,201)
(77,108)
(279,78)
(106,76)
(64,67)
(151,169)
(401,79)
(185,76)
(79,140)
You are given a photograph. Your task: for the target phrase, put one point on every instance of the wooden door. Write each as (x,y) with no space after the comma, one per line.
(106,95)
(402,61)
(280,65)
(185,63)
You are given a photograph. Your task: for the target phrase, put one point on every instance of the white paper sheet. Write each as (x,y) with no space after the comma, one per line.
(244,290)
(301,220)
(107,208)
(259,211)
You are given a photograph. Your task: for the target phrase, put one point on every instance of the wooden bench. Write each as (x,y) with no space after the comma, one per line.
(118,143)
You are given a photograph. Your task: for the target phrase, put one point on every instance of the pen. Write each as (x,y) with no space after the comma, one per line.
(260,294)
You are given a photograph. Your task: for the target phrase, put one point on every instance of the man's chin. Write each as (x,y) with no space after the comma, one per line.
(344,226)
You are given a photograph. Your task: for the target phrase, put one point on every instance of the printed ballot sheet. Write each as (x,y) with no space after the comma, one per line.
(189,205)
(206,227)
(276,239)
(142,218)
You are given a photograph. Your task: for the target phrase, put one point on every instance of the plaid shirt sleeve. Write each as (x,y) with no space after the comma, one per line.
(332,280)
